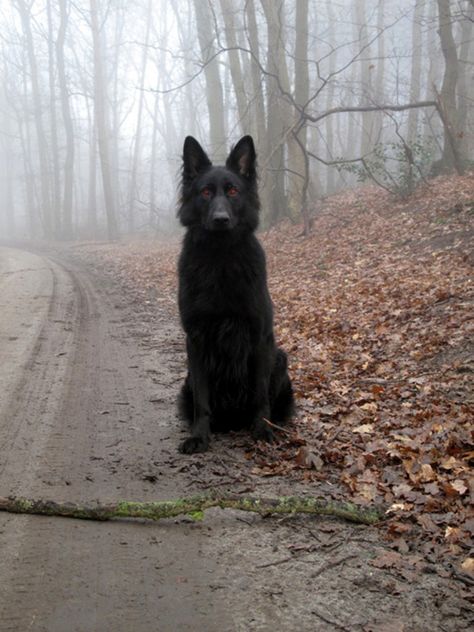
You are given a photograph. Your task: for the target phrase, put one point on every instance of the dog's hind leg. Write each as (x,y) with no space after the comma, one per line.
(281,391)
(260,428)
(186,401)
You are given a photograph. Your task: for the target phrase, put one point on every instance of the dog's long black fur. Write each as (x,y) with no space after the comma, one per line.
(237,376)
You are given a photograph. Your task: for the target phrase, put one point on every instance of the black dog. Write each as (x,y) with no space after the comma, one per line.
(237,376)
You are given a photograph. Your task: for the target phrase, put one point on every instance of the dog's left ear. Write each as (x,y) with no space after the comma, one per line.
(242,158)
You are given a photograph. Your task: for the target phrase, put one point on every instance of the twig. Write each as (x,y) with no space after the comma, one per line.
(276,426)
(195,506)
(327,565)
(282,561)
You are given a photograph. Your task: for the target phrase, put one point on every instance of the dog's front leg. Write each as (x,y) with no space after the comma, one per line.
(260,428)
(199,439)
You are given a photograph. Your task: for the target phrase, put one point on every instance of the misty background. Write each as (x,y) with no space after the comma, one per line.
(96,98)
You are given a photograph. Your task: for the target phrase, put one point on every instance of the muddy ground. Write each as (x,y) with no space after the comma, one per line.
(88,383)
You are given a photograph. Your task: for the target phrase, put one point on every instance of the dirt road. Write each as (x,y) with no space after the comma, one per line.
(88,382)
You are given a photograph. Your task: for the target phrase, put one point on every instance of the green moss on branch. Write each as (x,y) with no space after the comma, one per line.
(195,507)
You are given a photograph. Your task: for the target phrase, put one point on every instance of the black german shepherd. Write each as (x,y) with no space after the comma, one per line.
(237,376)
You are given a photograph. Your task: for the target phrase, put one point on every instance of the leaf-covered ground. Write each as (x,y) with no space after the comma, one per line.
(375,309)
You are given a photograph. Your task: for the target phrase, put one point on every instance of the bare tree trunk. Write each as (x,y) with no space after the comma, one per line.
(67,231)
(353,143)
(29,175)
(465,84)
(450,158)
(365,77)
(7,176)
(31,207)
(100,105)
(258,122)
(42,146)
(56,175)
(380,73)
(132,191)
(234,62)
(153,217)
(114,116)
(186,32)
(92,181)
(7,202)
(214,93)
(297,157)
(331,171)
(415,84)
(278,111)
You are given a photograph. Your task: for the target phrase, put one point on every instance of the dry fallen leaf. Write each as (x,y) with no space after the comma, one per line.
(468,565)
(364,429)
(308,458)
(388,559)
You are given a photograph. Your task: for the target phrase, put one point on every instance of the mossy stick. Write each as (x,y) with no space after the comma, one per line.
(195,506)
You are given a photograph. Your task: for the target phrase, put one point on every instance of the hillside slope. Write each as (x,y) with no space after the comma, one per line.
(375,308)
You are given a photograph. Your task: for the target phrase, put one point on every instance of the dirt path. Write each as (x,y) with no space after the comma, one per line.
(88,383)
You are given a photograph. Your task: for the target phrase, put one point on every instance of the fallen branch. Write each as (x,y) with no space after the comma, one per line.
(194,506)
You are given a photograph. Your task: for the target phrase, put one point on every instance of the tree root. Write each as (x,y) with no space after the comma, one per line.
(195,506)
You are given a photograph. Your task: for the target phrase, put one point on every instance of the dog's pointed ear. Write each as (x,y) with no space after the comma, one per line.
(195,159)
(242,158)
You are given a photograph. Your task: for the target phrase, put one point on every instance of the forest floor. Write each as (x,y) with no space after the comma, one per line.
(375,309)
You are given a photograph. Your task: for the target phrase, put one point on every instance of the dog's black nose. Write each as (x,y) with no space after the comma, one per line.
(221,219)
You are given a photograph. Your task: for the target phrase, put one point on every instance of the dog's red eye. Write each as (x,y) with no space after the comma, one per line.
(232,191)
(206,193)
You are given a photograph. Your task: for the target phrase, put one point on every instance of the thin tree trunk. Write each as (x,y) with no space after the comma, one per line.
(113,116)
(8,199)
(25,141)
(415,84)
(67,231)
(56,175)
(234,62)
(42,146)
(331,171)
(465,84)
(132,191)
(365,77)
(31,207)
(297,157)
(92,180)
(351,149)
(7,204)
(186,31)
(100,105)
(258,121)
(450,158)
(278,111)
(153,217)
(379,72)
(214,93)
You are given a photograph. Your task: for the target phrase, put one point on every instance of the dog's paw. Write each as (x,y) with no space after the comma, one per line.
(191,445)
(263,432)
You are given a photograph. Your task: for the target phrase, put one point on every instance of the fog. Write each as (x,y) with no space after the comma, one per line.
(97,97)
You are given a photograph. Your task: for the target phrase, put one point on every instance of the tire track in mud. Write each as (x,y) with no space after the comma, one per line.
(36,383)
(79,426)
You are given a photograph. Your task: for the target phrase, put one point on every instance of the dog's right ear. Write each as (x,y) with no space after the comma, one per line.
(195,159)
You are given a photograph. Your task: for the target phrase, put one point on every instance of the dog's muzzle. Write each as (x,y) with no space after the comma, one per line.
(220,217)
